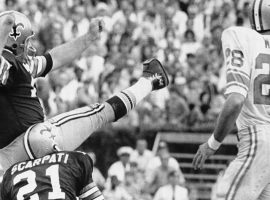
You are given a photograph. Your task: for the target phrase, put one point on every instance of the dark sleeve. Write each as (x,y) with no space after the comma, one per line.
(49,64)
(4,190)
(88,189)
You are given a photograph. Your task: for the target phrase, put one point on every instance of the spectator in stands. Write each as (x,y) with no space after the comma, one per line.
(156,161)
(177,108)
(116,191)
(131,186)
(120,167)
(172,190)
(141,155)
(159,176)
(156,175)
(77,25)
(98,178)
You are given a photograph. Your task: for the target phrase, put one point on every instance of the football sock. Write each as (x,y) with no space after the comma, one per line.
(127,99)
(140,89)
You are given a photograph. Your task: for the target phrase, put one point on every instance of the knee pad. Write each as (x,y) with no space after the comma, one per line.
(39,140)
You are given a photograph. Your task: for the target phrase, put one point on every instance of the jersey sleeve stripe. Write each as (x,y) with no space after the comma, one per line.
(235,89)
(88,187)
(39,66)
(238,72)
(34,69)
(95,195)
(234,83)
(89,192)
(234,77)
(101,197)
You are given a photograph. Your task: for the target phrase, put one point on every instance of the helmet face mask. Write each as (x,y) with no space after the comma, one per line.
(29,50)
(18,41)
(259,15)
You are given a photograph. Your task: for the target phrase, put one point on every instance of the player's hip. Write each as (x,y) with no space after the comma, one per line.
(254,139)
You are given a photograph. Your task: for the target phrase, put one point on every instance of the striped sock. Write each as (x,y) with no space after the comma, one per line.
(122,103)
(127,99)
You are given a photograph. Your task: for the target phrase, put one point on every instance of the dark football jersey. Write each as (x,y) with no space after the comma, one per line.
(19,106)
(61,175)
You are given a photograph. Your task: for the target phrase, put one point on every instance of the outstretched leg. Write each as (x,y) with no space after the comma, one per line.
(68,130)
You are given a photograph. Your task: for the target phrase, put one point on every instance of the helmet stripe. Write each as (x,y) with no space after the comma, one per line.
(252,16)
(256,15)
(260,15)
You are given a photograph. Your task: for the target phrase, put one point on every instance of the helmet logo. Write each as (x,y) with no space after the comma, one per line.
(15,34)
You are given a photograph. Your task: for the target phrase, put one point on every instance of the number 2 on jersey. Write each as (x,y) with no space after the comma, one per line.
(30,177)
(262,81)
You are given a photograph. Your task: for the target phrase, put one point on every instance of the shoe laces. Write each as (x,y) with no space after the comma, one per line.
(158,77)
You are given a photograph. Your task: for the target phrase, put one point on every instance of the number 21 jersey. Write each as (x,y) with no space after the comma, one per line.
(61,175)
(247,59)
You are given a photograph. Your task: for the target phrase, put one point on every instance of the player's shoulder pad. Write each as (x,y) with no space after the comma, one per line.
(241,35)
(85,158)
(83,155)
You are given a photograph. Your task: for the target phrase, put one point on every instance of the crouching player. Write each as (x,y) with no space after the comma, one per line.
(60,175)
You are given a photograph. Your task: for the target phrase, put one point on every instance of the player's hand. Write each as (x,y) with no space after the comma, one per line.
(202,154)
(96,27)
(4,70)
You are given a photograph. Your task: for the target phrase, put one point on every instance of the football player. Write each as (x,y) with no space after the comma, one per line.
(68,130)
(60,175)
(247,58)
(19,106)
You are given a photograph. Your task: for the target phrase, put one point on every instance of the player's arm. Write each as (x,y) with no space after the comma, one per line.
(238,80)
(68,52)
(89,189)
(228,116)
(91,192)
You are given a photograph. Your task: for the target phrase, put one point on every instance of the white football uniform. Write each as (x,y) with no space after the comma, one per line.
(247,58)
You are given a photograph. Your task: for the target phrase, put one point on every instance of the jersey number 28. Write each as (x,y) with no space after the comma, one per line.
(30,177)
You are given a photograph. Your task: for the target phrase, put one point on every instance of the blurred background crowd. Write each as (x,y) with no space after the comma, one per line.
(183,34)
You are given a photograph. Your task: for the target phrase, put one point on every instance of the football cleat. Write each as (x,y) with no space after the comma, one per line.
(155,72)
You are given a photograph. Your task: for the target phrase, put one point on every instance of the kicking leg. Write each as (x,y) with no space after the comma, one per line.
(69,130)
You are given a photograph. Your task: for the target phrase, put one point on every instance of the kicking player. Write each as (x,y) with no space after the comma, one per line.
(19,106)
(68,130)
(60,175)
(247,57)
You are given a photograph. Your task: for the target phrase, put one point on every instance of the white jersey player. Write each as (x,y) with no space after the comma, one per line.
(247,59)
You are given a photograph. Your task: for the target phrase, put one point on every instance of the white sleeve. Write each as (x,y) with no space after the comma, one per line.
(4,70)
(36,67)
(238,66)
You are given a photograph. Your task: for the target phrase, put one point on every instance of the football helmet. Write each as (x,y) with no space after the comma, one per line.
(39,140)
(18,41)
(259,15)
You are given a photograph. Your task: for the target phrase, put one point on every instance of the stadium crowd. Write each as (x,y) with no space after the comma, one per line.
(183,34)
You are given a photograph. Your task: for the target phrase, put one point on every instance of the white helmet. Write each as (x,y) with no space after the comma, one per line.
(18,41)
(39,140)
